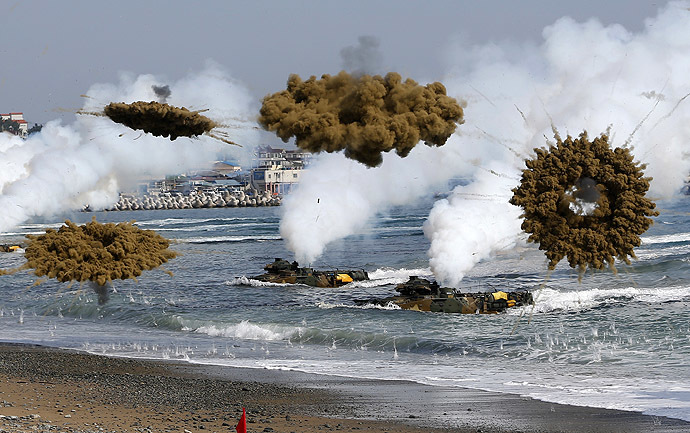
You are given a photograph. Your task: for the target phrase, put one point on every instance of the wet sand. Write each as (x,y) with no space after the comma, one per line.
(44,389)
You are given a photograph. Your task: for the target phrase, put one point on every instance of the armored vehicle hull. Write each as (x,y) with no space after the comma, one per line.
(282,271)
(423,295)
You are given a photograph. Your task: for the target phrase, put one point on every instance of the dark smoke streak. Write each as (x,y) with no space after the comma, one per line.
(163,92)
(364,58)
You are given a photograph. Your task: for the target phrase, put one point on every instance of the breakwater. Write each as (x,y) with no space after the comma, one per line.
(195,200)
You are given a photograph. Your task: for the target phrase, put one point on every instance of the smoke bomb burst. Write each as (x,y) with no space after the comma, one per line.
(607,178)
(162,120)
(90,161)
(158,119)
(96,252)
(362,115)
(515,92)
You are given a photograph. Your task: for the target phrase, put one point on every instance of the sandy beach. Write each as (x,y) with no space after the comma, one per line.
(44,389)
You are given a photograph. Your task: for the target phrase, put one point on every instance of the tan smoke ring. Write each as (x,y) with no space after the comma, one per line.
(613,228)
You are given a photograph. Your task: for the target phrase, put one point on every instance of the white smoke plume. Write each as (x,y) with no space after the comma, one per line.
(66,167)
(337,196)
(583,76)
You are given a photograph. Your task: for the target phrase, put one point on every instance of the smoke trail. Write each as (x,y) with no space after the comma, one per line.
(163,92)
(584,76)
(65,167)
(365,58)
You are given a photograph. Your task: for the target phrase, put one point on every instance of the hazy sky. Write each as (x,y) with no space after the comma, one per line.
(53,51)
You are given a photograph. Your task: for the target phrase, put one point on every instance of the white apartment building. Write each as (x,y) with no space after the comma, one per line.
(278,170)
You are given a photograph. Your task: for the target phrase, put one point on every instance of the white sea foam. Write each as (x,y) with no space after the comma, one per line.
(328,306)
(190,221)
(213,227)
(548,299)
(5,234)
(219,239)
(648,254)
(665,239)
(387,276)
(249,331)
(402,273)
(244,281)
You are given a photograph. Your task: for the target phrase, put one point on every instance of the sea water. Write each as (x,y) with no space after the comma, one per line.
(619,341)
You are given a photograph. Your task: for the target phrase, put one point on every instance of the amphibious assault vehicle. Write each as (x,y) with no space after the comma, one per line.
(423,295)
(282,271)
(9,248)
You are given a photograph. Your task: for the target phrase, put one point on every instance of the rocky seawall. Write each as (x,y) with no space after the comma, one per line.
(195,200)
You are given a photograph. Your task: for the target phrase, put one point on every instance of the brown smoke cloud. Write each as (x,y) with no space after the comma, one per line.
(585,201)
(96,252)
(159,119)
(362,115)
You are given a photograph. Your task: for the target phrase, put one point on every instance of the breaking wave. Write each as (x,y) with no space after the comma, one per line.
(388,306)
(665,239)
(244,281)
(549,299)
(227,239)
(387,276)
(247,331)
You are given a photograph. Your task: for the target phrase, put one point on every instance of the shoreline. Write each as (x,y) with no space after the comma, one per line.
(79,391)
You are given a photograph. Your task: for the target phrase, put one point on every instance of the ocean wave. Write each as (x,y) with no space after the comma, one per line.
(189,221)
(385,273)
(39,226)
(650,254)
(401,218)
(548,299)
(388,276)
(388,306)
(210,227)
(394,229)
(248,331)
(225,239)
(245,281)
(6,234)
(665,239)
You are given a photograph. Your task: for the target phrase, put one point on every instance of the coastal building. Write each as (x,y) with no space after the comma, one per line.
(267,156)
(226,168)
(278,170)
(23,129)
